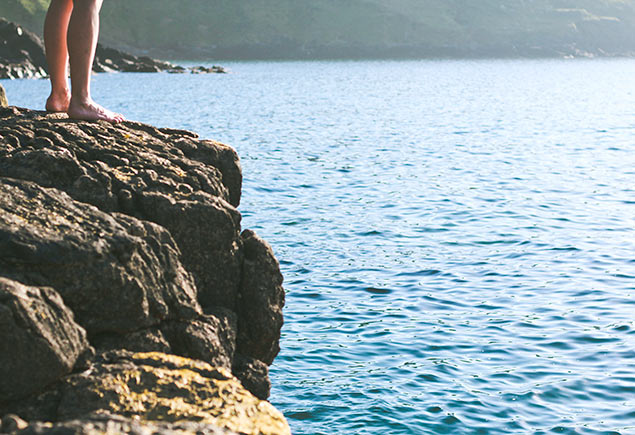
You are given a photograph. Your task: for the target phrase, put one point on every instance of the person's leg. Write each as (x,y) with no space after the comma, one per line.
(55,31)
(83,31)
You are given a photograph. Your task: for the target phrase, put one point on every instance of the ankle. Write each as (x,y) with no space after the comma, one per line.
(80,101)
(60,92)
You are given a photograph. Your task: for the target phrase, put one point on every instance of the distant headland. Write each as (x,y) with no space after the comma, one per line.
(310,29)
(22,56)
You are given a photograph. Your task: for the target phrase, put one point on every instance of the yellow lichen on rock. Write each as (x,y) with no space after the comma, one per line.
(123,176)
(160,387)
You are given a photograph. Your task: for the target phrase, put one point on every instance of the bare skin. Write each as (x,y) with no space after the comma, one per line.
(55,34)
(71,30)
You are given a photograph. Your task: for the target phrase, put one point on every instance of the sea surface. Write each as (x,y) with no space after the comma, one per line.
(457,237)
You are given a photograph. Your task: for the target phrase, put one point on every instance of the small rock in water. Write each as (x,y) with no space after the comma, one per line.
(215,69)
(3,97)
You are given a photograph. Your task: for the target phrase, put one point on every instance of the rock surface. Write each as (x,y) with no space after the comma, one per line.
(156,387)
(22,55)
(46,238)
(39,339)
(259,323)
(253,374)
(104,423)
(125,238)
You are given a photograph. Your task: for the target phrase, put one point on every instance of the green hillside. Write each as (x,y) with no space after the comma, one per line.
(358,28)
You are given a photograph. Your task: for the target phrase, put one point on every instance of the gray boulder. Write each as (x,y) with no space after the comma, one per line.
(261,301)
(115,272)
(39,339)
(253,374)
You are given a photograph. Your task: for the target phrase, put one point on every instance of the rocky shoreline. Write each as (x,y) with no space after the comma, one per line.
(131,301)
(22,56)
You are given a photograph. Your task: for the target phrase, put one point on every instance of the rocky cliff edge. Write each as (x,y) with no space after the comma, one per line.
(130,299)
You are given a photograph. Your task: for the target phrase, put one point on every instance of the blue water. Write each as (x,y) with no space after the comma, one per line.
(457,237)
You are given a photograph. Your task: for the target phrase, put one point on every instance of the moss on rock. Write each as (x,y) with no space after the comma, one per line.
(166,388)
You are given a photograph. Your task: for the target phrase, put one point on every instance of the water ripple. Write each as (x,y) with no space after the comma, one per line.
(456,237)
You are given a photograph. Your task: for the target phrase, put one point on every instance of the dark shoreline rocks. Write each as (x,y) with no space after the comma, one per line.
(111,60)
(22,55)
(123,265)
(21,52)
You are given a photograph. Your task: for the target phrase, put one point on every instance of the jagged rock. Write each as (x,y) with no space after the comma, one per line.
(146,207)
(188,186)
(253,374)
(166,176)
(261,301)
(115,272)
(110,424)
(21,52)
(207,229)
(158,387)
(3,97)
(39,339)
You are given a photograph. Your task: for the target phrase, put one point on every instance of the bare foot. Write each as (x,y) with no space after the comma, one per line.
(91,111)
(58,101)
